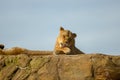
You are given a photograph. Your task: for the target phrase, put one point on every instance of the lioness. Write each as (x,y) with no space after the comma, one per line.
(65,43)
(19,50)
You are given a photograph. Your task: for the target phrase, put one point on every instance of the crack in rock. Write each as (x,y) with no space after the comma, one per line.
(57,68)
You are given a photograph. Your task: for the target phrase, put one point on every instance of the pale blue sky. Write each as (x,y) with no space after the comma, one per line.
(34,24)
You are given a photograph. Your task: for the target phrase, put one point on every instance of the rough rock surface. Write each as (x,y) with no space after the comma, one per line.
(61,67)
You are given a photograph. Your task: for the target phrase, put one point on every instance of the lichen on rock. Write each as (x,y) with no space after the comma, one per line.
(62,67)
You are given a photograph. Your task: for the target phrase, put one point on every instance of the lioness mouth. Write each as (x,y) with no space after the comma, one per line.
(62,45)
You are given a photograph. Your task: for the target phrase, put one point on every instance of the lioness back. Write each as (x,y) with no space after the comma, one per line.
(65,43)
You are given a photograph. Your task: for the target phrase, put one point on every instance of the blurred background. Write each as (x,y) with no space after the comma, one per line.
(34,24)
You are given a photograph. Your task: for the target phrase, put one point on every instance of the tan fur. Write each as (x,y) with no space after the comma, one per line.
(18,50)
(14,50)
(65,43)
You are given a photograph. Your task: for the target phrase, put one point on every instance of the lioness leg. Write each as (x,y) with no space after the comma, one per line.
(57,52)
(65,50)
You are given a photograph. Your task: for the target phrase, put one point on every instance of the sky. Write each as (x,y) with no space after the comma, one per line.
(34,24)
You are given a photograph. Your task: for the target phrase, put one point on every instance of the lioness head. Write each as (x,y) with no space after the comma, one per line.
(66,38)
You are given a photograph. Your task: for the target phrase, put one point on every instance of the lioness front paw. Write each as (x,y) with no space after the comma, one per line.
(58,52)
(67,51)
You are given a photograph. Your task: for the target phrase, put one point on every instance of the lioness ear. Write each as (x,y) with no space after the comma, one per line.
(74,35)
(61,28)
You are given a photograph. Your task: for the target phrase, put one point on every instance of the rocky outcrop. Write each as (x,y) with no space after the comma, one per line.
(61,67)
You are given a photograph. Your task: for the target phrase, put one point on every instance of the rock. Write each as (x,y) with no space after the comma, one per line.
(61,67)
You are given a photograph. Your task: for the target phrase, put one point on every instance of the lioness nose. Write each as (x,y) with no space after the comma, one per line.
(61,44)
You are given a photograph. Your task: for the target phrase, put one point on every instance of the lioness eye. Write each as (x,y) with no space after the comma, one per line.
(63,36)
